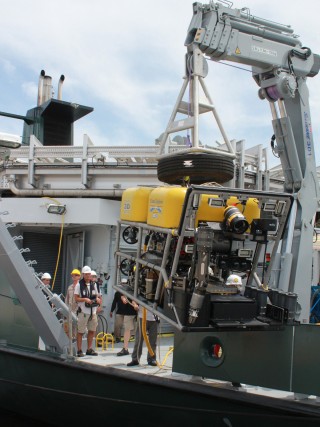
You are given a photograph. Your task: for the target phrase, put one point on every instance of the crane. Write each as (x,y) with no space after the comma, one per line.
(280,67)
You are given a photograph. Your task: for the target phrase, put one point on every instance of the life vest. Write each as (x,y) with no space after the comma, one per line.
(84,293)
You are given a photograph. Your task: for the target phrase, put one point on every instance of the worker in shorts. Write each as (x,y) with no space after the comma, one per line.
(87,296)
(70,300)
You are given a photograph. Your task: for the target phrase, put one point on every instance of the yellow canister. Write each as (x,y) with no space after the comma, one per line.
(250,210)
(212,213)
(134,204)
(165,206)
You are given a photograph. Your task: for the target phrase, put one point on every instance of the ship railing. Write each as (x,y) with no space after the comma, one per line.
(57,305)
(252,158)
(251,165)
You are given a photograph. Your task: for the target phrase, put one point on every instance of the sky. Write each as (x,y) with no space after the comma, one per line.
(126,59)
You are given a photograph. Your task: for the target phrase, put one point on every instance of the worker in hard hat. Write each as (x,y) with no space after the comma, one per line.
(234,280)
(94,279)
(70,300)
(88,298)
(46,278)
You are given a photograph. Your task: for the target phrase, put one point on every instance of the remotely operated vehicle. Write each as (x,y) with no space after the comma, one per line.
(189,239)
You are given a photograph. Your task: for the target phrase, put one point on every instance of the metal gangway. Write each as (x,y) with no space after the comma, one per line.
(44,308)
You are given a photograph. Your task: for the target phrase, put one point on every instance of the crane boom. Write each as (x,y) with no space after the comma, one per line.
(222,33)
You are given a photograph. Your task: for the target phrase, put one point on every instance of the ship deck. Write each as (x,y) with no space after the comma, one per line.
(108,358)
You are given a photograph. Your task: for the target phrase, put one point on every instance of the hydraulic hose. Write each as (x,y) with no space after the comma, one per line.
(166,357)
(146,339)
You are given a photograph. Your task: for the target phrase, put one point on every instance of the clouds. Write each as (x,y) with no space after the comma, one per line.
(126,59)
(7,66)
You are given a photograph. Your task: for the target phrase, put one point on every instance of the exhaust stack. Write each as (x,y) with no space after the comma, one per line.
(47,89)
(61,80)
(40,87)
(51,120)
(44,88)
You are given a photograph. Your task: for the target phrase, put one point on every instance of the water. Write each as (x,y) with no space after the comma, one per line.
(9,419)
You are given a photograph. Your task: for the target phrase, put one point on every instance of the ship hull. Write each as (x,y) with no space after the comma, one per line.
(44,387)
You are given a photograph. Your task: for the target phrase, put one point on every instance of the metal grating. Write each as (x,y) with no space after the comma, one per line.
(44,249)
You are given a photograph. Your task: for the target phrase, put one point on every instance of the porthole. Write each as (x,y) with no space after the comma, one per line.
(212,351)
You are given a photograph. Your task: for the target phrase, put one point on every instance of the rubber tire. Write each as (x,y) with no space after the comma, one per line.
(202,167)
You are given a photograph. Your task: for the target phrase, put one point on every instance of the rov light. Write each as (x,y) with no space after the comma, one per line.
(215,202)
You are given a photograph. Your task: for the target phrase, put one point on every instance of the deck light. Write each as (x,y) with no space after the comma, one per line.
(9,141)
(56,209)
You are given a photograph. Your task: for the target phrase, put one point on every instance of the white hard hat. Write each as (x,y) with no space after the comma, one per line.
(86,269)
(93,273)
(234,279)
(45,276)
